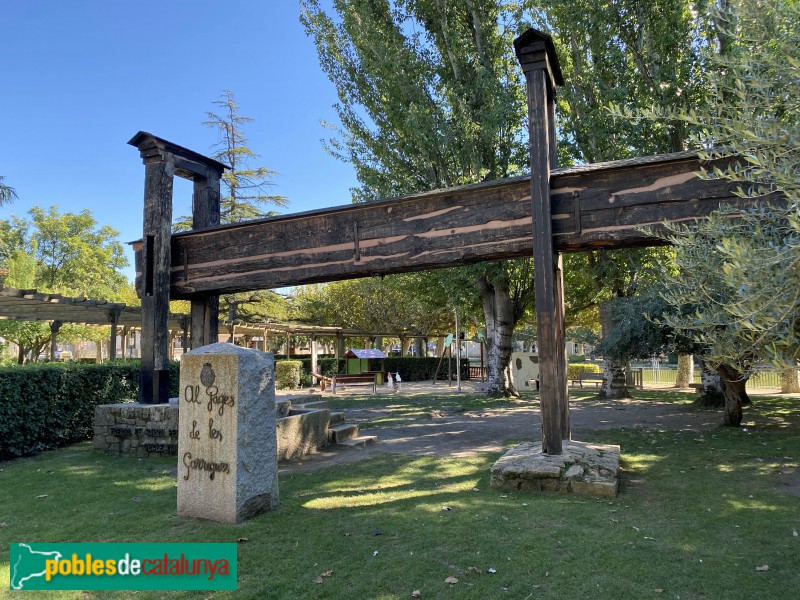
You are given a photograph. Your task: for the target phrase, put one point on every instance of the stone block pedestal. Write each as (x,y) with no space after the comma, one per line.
(584,469)
(227,449)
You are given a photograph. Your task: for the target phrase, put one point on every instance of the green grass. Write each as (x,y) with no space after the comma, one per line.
(696,514)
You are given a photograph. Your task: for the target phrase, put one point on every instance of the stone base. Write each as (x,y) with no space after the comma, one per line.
(133,429)
(584,469)
(148,430)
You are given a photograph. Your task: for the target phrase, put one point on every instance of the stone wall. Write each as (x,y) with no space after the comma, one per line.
(151,430)
(136,430)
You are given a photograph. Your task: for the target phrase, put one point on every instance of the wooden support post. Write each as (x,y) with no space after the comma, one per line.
(205,214)
(125,330)
(55,326)
(313,354)
(184,334)
(112,343)
(162,161)
(159,174)
(536,54)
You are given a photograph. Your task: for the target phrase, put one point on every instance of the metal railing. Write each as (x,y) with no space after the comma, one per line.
(665,377)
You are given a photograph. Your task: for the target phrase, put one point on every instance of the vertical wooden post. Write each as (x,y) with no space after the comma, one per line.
(205,213)
(125,330)
(112,343)
(313,353)
(536,54)
(159,175)
(55,326)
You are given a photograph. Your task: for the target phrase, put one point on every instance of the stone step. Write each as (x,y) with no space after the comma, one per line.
(360,442)
(337,418)
(339,433)
(315,404)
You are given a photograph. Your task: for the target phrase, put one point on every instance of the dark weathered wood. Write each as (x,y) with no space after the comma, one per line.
(159,174)
(163,160)
(591,207)
(532,53)
(205,214)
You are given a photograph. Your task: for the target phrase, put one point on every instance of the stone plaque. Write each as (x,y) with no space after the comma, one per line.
(227,449)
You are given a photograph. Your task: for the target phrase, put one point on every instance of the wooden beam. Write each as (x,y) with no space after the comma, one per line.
(595,206)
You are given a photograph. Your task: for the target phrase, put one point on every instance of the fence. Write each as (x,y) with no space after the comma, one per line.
(666,377)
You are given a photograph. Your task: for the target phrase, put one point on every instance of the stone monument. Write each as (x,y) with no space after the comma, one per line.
(227,449)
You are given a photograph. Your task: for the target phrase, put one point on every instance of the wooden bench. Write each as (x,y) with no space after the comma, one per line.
(595,378)
(347,381)
(697,386)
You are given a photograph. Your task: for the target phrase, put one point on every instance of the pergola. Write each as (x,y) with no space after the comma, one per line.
(55,309)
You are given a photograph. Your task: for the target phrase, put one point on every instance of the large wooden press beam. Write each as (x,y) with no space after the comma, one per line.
(600,205)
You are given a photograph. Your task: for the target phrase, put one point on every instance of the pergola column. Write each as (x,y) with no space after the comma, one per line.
(537,56)
(313,353)
(112,343)
(55,326)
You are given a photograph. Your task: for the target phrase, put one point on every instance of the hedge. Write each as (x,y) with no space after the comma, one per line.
(50,405)
(411,368)
(287,374)
(574,370)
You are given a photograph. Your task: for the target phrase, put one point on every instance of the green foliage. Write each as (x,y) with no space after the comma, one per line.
(47,406)
(413,368)
(574,370)
(73,256)
(287,374)
(7,193)
(259,306)
(394,304)
(428,93)
(737,289)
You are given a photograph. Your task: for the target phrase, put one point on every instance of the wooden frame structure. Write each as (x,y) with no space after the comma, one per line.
(552,211)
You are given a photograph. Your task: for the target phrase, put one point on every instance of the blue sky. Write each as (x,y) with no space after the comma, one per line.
(81,77)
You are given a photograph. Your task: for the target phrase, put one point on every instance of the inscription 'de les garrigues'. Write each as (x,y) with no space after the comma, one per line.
(215,404)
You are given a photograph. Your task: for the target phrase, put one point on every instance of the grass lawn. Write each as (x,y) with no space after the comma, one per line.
(699,515)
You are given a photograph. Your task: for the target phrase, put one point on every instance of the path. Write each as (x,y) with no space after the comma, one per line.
(461,434)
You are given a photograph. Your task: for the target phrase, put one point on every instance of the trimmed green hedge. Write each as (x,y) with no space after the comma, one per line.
(287,374)
(411,368)
(51,405)
(574,370)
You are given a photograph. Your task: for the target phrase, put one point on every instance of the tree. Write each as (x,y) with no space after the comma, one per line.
(429,97)
(739,271)
(67,254)
(637,54)
(247,187)
(73,255)
(7,193)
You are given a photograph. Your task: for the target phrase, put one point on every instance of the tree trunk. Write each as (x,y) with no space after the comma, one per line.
(20,354)
(615,384)
(711,395)
(685,374)
(733,390)
(790,381)
(498,311)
